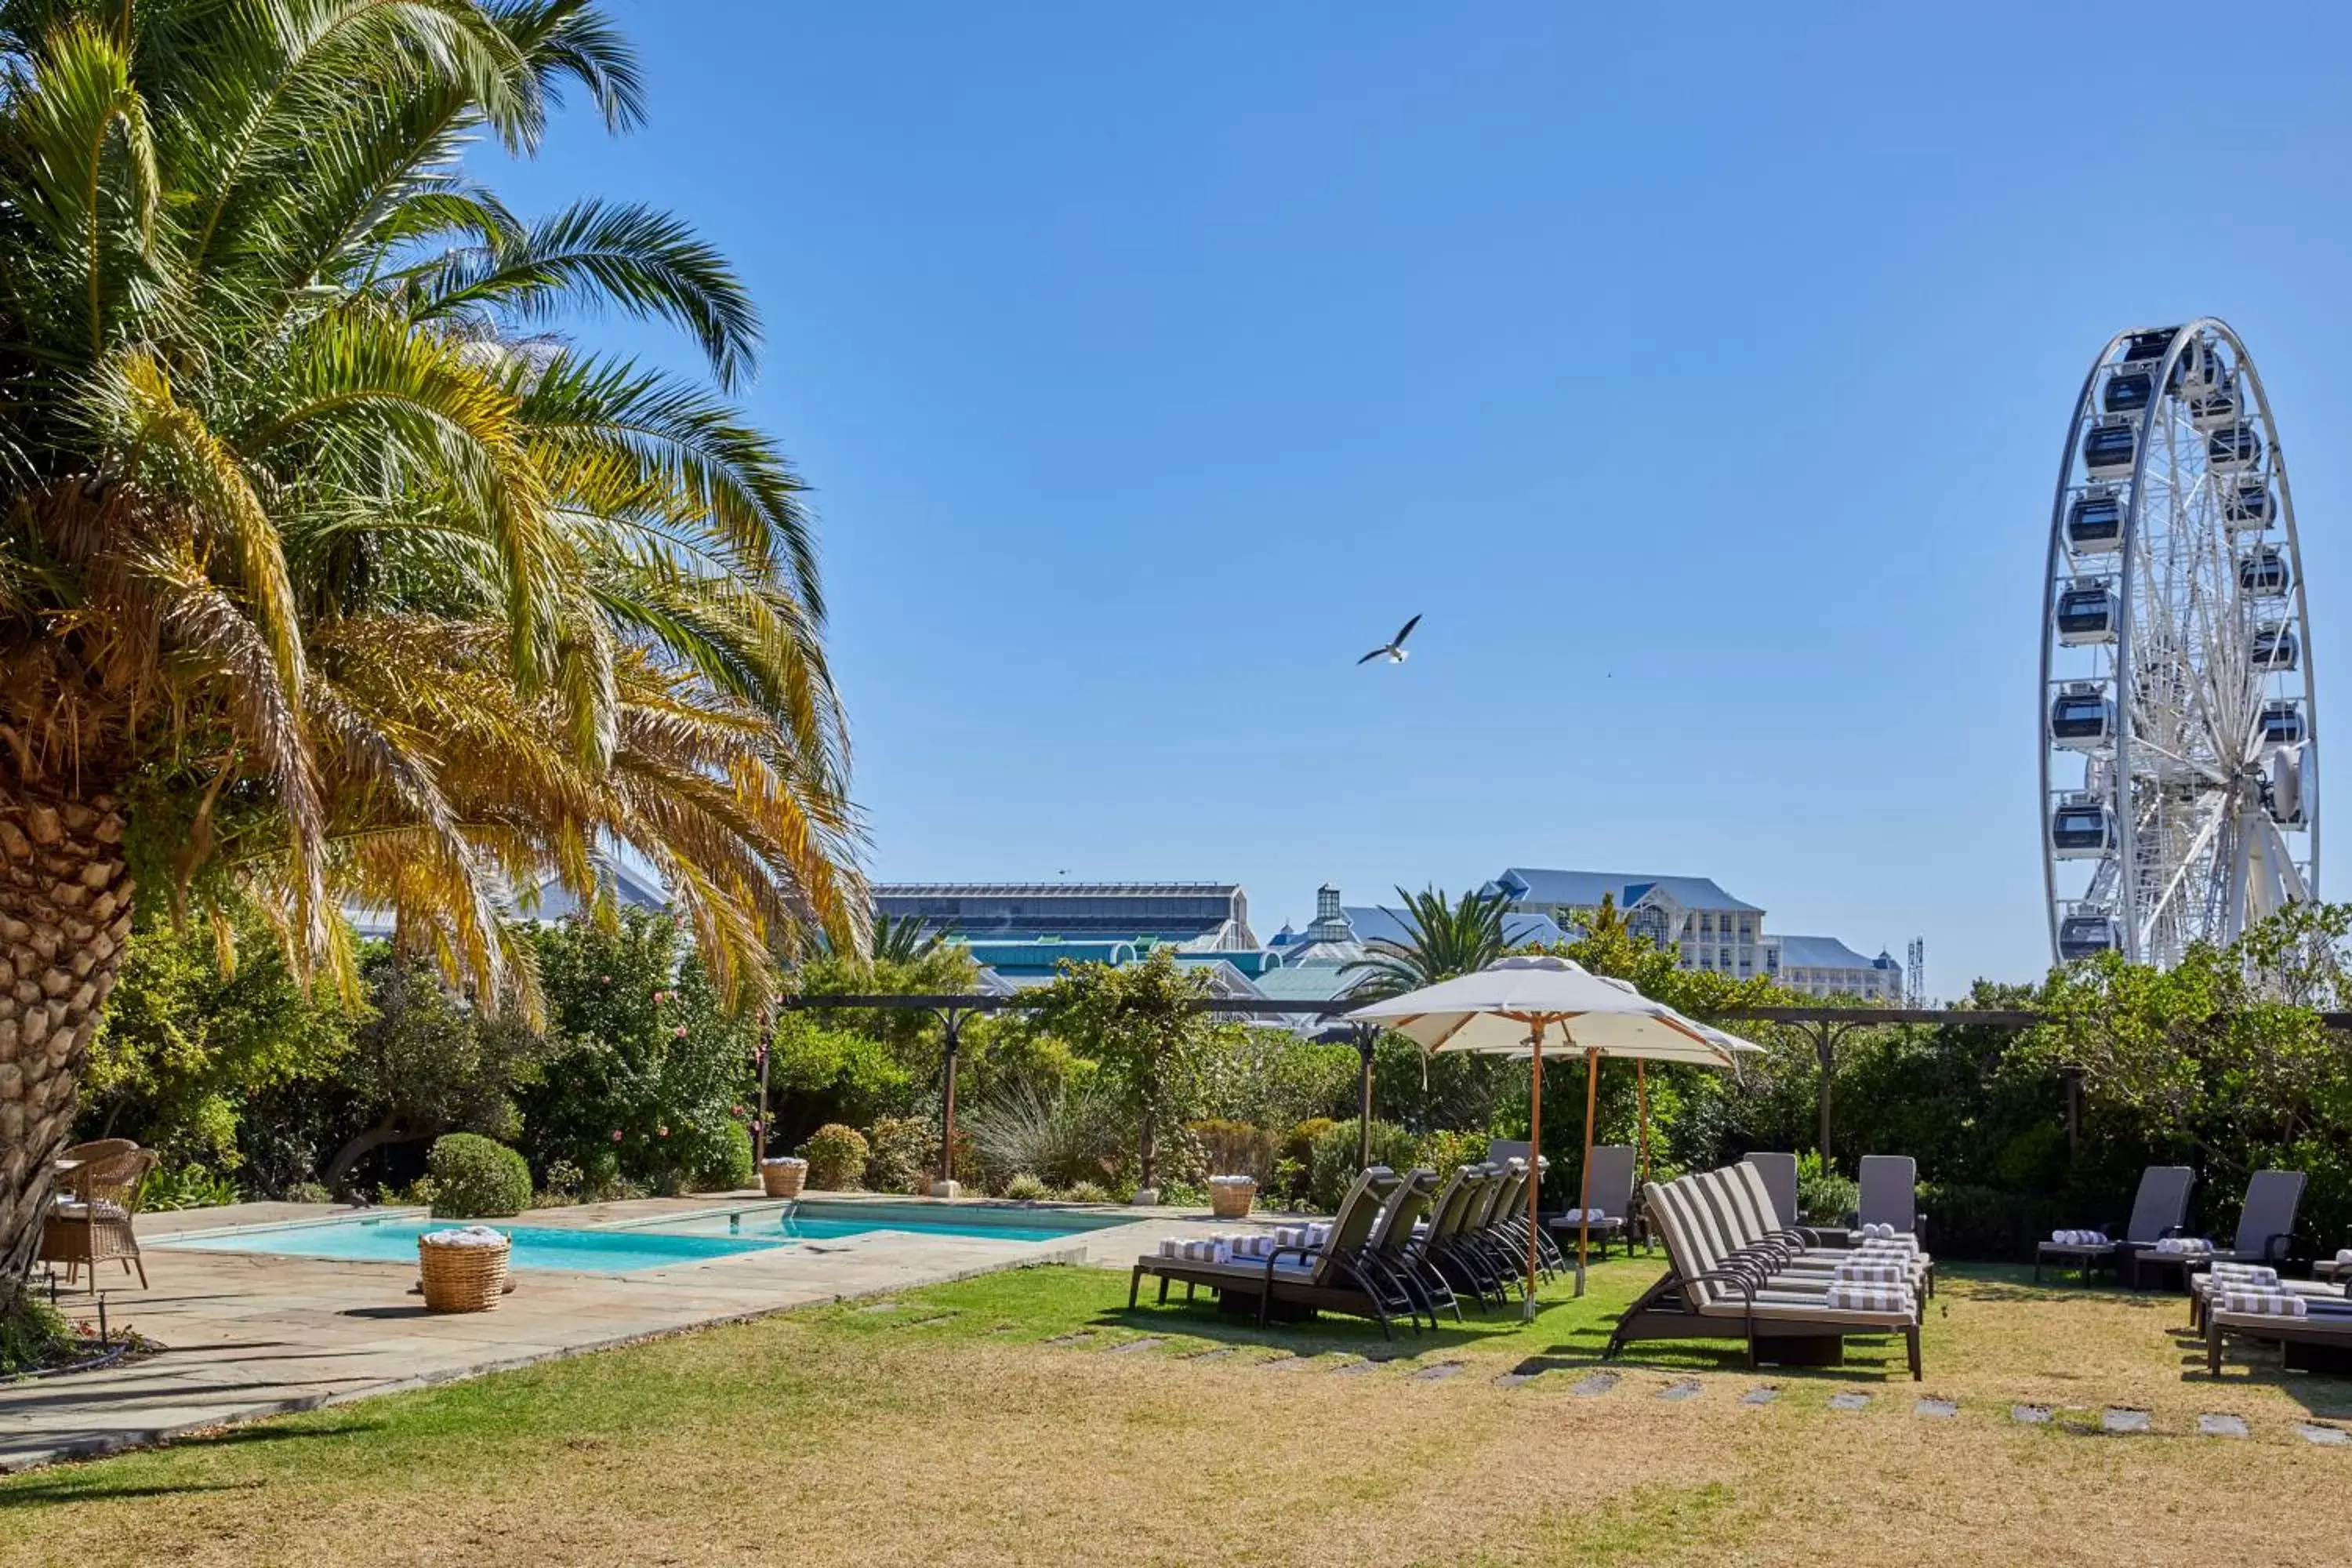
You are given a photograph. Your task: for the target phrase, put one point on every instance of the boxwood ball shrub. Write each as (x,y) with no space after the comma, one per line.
(474,1177)
(836,1157)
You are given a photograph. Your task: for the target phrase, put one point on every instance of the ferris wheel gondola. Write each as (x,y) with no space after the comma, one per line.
(2179,732)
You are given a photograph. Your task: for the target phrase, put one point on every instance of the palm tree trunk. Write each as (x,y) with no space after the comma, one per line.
(64,915)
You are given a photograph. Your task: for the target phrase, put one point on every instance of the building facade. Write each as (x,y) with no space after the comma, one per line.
(1825,966)
(1693,915)
(1211,917)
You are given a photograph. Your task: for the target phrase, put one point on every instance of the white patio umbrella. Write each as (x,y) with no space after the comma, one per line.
(1506,1008)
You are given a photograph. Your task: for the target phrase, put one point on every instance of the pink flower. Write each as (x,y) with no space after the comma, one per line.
(680,1032)
(616,1135)
(664,1131)
(737,1109)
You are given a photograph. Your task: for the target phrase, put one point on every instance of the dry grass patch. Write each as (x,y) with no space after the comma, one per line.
(863,1438)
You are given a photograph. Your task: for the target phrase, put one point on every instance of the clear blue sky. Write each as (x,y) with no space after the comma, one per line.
(1699,372)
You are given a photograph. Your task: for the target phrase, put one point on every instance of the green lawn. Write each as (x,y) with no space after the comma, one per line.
(948,1428)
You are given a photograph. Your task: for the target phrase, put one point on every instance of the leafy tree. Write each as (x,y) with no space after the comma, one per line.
(1138,1023)
(186,1044)
(1441,939)
(426,1063)
(331,570)
(901,942)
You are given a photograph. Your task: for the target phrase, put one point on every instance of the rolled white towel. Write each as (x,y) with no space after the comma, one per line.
(1855,1296)
(2232,1275)
(467,1236)
(1250,1182)
(2080,1237)
(2262,1304)
(2185,1245)
(2344,1257)
(1258,1245)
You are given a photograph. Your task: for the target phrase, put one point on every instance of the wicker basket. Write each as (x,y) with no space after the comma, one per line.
(782,1178)
(463,1279)
(1232,1200)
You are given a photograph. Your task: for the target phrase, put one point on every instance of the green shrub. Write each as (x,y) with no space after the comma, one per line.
(836,1157)
(901,1154)
(726,1162)
(1445,1149)
(1983,1222)
(32,1336)
(1823,1196)
(1334,1165)
(187,1187)
(309,1193)
(1027,1189)
(475,1178)
(1087,1192)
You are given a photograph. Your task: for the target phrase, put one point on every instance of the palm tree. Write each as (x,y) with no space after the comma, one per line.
(331,571)
(1441,939)
(902,941)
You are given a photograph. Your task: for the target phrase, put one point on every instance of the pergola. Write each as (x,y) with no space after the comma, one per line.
(1825,1026)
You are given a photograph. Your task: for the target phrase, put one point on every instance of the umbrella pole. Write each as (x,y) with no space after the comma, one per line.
(1584,1204)
(1535,1163)
(1641,1094)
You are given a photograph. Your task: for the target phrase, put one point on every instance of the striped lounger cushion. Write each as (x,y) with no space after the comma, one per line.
(2261,1304)
(1873,1274)
(1847,1297)
(2236,1276)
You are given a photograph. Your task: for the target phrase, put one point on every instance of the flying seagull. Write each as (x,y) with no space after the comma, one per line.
(1393,649)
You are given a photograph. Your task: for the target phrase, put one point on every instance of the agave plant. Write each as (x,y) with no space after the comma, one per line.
(332,571)
(1441,939)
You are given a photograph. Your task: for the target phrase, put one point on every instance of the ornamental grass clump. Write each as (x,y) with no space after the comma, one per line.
(474,1177)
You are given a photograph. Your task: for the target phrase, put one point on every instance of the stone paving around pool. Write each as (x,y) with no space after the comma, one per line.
(252,1334)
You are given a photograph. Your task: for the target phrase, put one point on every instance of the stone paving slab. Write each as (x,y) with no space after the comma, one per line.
(2222,1426)
(2124,1422)
(247,1335)
(1849,1401)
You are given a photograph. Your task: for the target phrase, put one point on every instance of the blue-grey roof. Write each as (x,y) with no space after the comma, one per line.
(1519,927)
(1818,953)
(1582,889)
(1310,982)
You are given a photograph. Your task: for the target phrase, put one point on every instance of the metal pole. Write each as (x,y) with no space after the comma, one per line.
(1584,1204)
(954,1020)
(1825,1050)
(1535,1162)
(1366,1035)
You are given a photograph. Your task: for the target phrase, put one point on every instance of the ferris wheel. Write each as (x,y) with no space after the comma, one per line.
(2179,737)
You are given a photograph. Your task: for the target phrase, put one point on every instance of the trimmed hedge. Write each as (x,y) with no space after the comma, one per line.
(475,1177)
(836,1157)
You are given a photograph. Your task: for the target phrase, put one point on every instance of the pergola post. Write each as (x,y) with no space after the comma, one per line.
(760,1122)
(951,1020)
(1367,1036)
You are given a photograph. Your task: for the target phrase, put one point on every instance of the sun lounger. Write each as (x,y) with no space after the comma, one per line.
(2339,1267)
(2216,1278)
(1297,1278)
(1889,1194)
(1440,1248)
(2159,1209)
(1727,1285)
(1610,1194)
(2265,1230)
(2312,1333)
(1779,1174)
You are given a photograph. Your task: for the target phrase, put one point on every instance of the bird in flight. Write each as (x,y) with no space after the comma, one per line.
(1393,649)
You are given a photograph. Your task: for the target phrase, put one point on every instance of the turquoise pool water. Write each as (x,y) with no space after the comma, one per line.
(818,1220)
(535,1247)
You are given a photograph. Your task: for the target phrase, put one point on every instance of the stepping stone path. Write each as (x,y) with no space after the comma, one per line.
(1849,1401)
(1129,1347)
(1681,1389)
(1295,1363)
(1759,1396)
(1367,1364)
(1072,1339)
(1935,1409)
(879,1306)
(2218,1425)
(2325,1436)
(1217,1354)
(2030,1414)
(1593,1383)
(2116,1419)
(1441,1369)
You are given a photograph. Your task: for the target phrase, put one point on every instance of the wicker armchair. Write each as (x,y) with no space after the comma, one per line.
(91,1221)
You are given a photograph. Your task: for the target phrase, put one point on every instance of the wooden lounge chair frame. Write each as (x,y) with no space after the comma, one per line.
(1772,1314)
(2159,1209)
(1342,1278)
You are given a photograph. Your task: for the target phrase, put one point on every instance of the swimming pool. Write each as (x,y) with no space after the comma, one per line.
(818,1219)
(393,1239)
